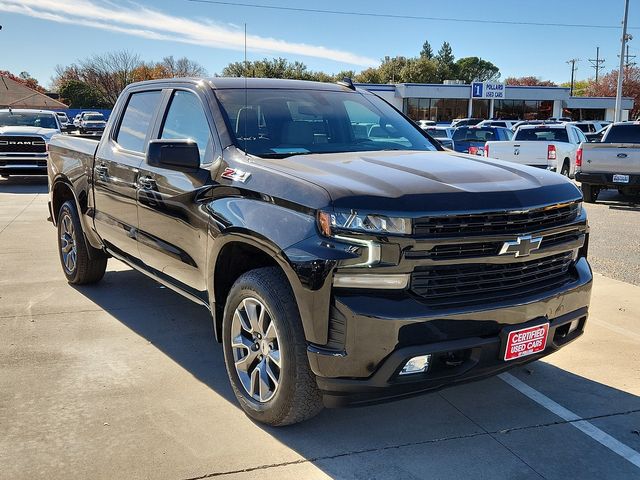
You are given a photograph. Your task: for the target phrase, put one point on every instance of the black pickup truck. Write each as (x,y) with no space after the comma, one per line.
(345,257)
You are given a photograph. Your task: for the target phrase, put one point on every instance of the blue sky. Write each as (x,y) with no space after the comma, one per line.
(39,34)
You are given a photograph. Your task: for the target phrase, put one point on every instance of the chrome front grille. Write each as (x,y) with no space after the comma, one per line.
(22,144)
(445,285)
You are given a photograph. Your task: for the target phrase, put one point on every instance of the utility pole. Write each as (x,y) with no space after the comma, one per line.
(597,63)
(627,57)
(618,111)
(572,62)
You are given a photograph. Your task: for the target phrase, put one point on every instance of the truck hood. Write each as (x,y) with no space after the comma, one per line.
(43,132)
(420,183)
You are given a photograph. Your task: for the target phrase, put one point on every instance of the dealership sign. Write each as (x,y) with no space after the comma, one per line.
(487,90)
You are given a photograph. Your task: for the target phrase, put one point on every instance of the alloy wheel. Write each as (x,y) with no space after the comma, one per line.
(68,247)
(256,349)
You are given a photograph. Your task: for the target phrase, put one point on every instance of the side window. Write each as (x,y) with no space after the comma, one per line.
(137,117)
(581,137)
(186,120)
(509,134)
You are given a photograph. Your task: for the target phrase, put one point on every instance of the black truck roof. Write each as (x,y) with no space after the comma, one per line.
(219,83)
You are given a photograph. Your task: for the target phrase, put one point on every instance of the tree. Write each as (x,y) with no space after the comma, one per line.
(182,67)
(529,81)
(607,85)
(579,87)
(25,79)
(427,51)
(419,70)
(472,69)
(444,61)
(108,74)
(78,94)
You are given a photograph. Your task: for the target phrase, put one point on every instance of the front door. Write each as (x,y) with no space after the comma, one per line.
(116,170)
(172,226)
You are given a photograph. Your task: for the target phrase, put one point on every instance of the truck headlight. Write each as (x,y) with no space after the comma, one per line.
(352,221)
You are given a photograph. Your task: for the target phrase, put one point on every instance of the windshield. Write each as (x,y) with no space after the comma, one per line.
(279,123)
(542,134)
(437,133)
(465,134)
(24,119)
(94,118)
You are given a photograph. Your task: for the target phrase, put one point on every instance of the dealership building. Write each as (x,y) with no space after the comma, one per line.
(444,102)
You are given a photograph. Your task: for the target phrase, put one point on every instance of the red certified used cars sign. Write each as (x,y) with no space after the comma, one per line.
(526,341)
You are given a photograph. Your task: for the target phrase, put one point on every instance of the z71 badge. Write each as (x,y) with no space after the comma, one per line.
(235,174)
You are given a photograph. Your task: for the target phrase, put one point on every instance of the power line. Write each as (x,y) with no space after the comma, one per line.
(406,17)
(597,63)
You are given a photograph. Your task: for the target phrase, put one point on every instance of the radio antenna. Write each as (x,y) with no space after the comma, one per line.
(246,91)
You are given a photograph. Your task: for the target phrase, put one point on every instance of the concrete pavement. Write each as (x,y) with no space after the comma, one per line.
(123,380)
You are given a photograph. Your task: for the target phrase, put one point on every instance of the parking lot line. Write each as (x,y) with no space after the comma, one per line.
(614,328)
(585,427)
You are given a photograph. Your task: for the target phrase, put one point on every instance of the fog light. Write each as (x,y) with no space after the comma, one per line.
(416,365)
(574,326)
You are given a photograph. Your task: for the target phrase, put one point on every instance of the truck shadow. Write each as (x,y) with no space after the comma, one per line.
(618,201)
(368,442)
(26,185)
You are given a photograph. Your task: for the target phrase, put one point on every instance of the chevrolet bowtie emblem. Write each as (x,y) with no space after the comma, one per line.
(521,246)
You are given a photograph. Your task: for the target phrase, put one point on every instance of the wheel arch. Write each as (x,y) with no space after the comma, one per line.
(240,251)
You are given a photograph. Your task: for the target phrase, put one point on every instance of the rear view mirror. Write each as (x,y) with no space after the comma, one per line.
(180,155)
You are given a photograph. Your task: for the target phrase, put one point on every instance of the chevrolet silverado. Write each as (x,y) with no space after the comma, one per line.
(345,257)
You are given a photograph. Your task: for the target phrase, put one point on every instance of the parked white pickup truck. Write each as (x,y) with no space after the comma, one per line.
(546,146)
(612,163)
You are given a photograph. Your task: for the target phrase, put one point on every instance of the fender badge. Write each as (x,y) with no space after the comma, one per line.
(235,174)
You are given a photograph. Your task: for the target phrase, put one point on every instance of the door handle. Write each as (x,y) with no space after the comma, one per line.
(102,169)
(147,183)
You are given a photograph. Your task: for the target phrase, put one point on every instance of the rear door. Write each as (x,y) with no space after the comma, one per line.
(116,170)
(173,227)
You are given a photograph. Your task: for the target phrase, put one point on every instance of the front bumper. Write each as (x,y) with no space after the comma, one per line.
(464,343)
(23,164)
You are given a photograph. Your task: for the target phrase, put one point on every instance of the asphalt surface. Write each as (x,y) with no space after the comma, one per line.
(614,244)
(123,380)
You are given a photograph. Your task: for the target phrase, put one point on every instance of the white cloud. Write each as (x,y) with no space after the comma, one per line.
(141,21)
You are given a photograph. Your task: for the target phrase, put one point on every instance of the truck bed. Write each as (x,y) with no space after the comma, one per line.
(72,153)
(617,158)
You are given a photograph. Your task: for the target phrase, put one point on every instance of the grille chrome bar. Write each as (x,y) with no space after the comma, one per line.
(496,223)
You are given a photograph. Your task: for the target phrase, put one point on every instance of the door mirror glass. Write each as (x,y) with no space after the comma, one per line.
(180,155)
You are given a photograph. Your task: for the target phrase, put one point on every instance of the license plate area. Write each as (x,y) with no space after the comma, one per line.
(522,342)
(617,178)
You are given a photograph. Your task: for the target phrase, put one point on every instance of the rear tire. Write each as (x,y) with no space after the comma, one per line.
(260,318)
(590,192)
(566,168)
(81,263)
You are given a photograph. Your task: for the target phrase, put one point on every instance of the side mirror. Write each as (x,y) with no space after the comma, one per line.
(180,155)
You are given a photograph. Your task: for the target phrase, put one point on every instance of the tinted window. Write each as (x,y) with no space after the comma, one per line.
(542,134)
(186,120)
(464,134)
(581,137)
(281,122)
(623,134)
(136,119)
(437,133)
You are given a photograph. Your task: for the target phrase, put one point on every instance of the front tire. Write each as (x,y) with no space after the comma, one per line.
(590,192)
(265,350)
(81,263)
